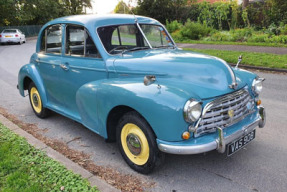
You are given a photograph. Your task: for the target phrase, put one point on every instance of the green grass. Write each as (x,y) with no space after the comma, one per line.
(249,58)
(24,168)
(233,43)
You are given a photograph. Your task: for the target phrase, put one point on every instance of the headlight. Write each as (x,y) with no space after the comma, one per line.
(192,111)
(257,85)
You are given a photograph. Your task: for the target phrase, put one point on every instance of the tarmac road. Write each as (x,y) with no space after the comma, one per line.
(260,166)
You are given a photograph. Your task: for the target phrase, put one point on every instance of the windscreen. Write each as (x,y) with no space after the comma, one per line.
(122,38)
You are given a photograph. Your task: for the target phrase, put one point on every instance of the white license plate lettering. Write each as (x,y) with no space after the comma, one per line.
(240,143)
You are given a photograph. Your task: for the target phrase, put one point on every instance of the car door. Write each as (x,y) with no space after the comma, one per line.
(81,64)
(48,63)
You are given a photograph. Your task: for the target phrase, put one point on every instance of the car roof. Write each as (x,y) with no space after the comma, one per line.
(10,29)
(103,20)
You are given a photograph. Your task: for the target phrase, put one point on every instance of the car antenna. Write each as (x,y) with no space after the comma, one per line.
(125,5)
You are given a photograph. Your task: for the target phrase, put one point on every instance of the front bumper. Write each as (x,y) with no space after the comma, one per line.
(218,143)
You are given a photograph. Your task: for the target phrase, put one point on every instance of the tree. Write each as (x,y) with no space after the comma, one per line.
(38,12)
(277,11)
(75,7)
(163,9)
(121,8)
(245,3)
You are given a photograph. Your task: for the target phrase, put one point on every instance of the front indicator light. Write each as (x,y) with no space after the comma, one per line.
(258,102)
(186,135)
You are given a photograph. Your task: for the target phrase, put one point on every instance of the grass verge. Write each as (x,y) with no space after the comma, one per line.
(24,168)
(233,43)
(249,58)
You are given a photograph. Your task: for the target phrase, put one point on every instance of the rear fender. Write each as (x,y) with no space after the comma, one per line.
(30,71)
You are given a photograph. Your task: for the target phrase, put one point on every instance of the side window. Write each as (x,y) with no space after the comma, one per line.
(80,43)
(91,49)
(54,39)
(43,42)
(75,40)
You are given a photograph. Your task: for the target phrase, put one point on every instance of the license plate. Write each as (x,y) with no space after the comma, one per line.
(8,36)
(240,143)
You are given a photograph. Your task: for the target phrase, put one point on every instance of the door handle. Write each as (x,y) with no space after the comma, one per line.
(64,67)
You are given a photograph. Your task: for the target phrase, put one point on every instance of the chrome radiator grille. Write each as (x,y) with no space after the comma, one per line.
(224,111)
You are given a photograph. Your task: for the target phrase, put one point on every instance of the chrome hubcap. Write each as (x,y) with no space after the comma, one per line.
(134,144)
(35,100)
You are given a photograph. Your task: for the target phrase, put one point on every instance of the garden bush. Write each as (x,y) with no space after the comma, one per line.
(194,30)
(258,38)
(283,29)
(173,26)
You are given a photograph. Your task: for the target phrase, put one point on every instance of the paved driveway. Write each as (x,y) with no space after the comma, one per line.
(261,166)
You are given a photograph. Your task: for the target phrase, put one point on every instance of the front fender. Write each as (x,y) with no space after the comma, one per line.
(30,71)
(162,106)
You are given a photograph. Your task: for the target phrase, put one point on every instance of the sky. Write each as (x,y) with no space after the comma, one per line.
(104,6)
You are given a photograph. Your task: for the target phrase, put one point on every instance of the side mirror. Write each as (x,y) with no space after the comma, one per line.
(149,79)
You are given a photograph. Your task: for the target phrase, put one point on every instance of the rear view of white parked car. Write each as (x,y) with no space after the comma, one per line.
(12,36)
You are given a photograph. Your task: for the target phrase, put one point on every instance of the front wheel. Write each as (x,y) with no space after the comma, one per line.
(137,143)
(36,102)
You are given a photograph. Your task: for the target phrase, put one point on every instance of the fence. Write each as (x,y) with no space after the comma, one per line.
(28,30)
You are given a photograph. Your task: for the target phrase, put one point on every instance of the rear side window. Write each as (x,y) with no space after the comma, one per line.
(79,42)
(54,39)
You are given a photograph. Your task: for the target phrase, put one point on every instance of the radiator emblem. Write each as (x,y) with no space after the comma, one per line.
(231,113)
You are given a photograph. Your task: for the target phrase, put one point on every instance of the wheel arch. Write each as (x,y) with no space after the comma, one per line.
(113,118)
(26,82)
(27,74)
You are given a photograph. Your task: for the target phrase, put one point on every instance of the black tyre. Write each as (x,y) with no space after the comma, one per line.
(36,102)
(137,143)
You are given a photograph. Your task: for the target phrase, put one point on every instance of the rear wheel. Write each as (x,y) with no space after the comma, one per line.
(36,102)
(137,143)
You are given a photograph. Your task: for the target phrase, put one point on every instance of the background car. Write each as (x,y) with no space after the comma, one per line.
(12,36)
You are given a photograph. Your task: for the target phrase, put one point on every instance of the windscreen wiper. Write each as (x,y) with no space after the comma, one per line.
(165,46)
(135,49)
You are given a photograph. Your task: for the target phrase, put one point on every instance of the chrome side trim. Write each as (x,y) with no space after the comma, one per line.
(219,143)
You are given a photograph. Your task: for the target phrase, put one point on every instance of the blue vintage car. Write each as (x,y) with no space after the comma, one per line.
(123,77)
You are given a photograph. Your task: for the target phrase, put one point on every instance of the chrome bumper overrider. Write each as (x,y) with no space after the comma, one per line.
(220,143)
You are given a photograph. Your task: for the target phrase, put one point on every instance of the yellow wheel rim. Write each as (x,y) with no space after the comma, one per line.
(135,144)
(36,100)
